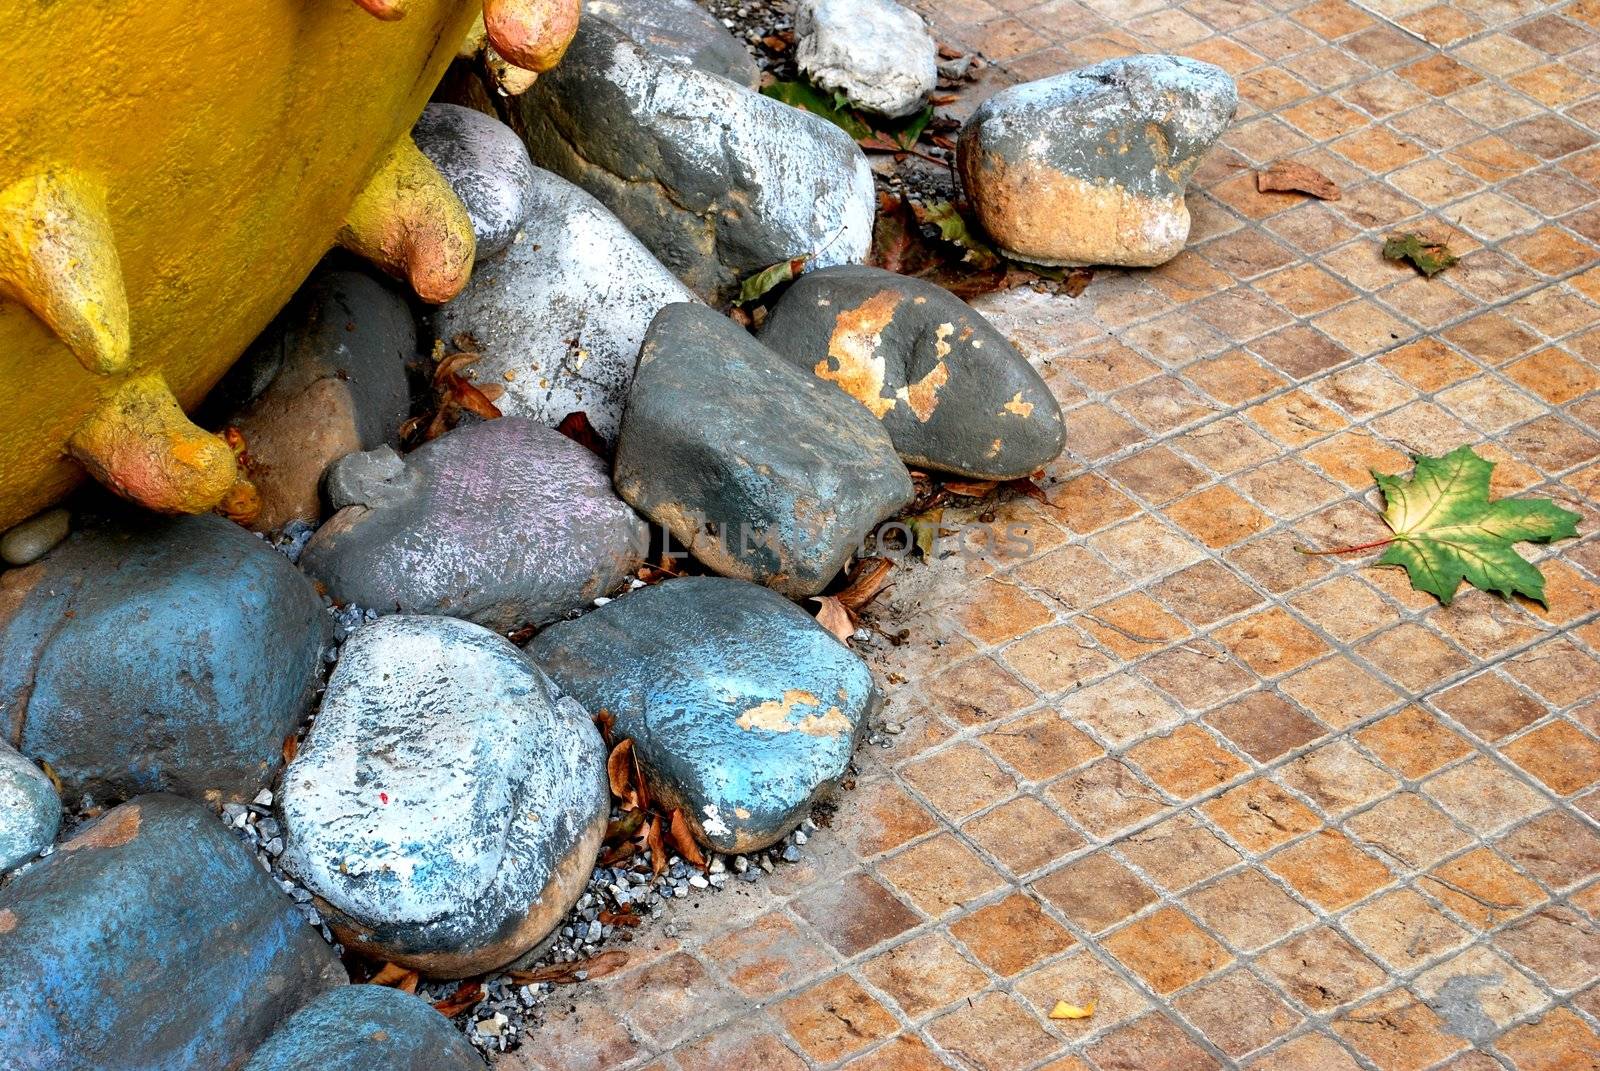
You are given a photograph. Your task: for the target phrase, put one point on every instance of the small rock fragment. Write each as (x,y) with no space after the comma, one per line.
(486,165)
(742,709)
(877,53)
(30,810)
(1089,167)
(765,473)
(366,1028)
(26,543)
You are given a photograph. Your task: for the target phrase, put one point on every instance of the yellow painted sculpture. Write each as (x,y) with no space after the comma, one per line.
(169,174)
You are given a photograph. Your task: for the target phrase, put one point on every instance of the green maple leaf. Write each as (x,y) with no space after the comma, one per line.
(1446,530)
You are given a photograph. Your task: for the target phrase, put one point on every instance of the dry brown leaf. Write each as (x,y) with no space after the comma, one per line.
(568,973)
(466,995)
(658,850)
(971,488)
(606,722)
(1024,485)
(683,840)
(1063,1010)
(869,578)
(576,426)
(619,771)
(834,617)
(395,976)
(291,748)
(1287,176)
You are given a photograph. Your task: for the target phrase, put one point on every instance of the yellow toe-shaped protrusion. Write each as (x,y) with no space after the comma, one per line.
(533,34)
(139,444)
(410,223)
(58,259)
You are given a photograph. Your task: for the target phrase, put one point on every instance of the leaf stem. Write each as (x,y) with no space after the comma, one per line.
(1349,550)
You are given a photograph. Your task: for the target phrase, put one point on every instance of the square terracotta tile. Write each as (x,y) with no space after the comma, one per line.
(1082,979)
(993,1032)
(939,875)
(1206,593)
(960,780)
(855,914)
(977,691)
(834,1019)
(669,1000)
(1322,970)
(903,1053)
(1415,657)
(1482,796)
(1023,835)
(924,974)
(1398,1032)
(1088,503)
(1055,659)
(1186,762)
(1408,831)
(1329,870)
(1150,1043)
(1264,725)
(1338,691)
(1218,517)
(1413,742)
(768,956)
(1095,892)
(1563,757)
(1167,950)
(1121,709)
(1559,850)
(1337,778)
(1260,815)
(1073,576)
(1107,797)
(1404,930)
(744,1047)
(1041,745)
(1482,888)
(1238,1013)
(881,816)
(1247,910)
(1308,1052)
(997,611)
(1012,935)
(1558,945)
(1272,642)
(1132,625)
(1557,1041)
(1490,706)
(1199,674)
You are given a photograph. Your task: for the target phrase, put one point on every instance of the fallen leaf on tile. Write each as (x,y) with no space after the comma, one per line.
(1288,177)
(833,616)
(1063,1010)
(1428,257)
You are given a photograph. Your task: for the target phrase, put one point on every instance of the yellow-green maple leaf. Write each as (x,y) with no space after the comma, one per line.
(1446,529)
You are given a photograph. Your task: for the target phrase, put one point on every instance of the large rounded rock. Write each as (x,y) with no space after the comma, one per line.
(505,523)
(337,360)
(30,810)
(952,392)
(486,165)
(447,806)
(151,941)
(158,655)
(682,31)
(877,53)
(741,708)
(366,1028)
(559,319)
(1089,167)
(765,473)
(718,181)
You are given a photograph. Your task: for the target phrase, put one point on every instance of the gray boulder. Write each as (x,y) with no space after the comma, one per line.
(560,318)
(151,941)
(159,654)
(764,472)
(30,810)
(682,31)
(1089,167)
(718,181)
(505,523)
(952,392)
(875,52)
(742,709)
(486,165)
(448,804)
(366,1028)
(332,372)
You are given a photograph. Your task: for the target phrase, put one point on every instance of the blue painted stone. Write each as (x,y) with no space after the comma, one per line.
(448,804)
(159,654)
(504,523)
(763,471)
(30,811)
(151,941)
(952,391)
(366,1028)
(742,709)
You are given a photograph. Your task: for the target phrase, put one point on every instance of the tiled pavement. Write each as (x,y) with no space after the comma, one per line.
(1264,810)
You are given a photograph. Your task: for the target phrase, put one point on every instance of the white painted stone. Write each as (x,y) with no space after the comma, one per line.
(875,52)
(486,165)
(30,811)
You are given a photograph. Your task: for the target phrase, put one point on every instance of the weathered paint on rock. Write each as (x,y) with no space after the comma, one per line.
(1089,167)
(30,810)
(151,941)
(877,53)
(448,804)
(717,181)
(486,165)
(559,319)
(764,472)
(340,351)
(366,1028)
(952,392)
(742,709)
(682,31)
(158,654)
(505,523)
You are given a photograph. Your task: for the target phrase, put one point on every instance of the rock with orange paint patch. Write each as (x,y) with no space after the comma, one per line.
(742,709)
(1089,167)
(448,804)
(952,392)
(30,810)
(151,941)
(764,472)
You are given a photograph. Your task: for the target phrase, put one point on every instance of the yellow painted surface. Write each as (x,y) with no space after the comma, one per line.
(219,150)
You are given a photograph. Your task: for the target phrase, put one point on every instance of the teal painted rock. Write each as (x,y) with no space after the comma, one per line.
(951,390)
(763,471)
(151,941)
(1089,167)
(742,709)
(366,1028)
(158,654)
(447,806)
(30,811)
